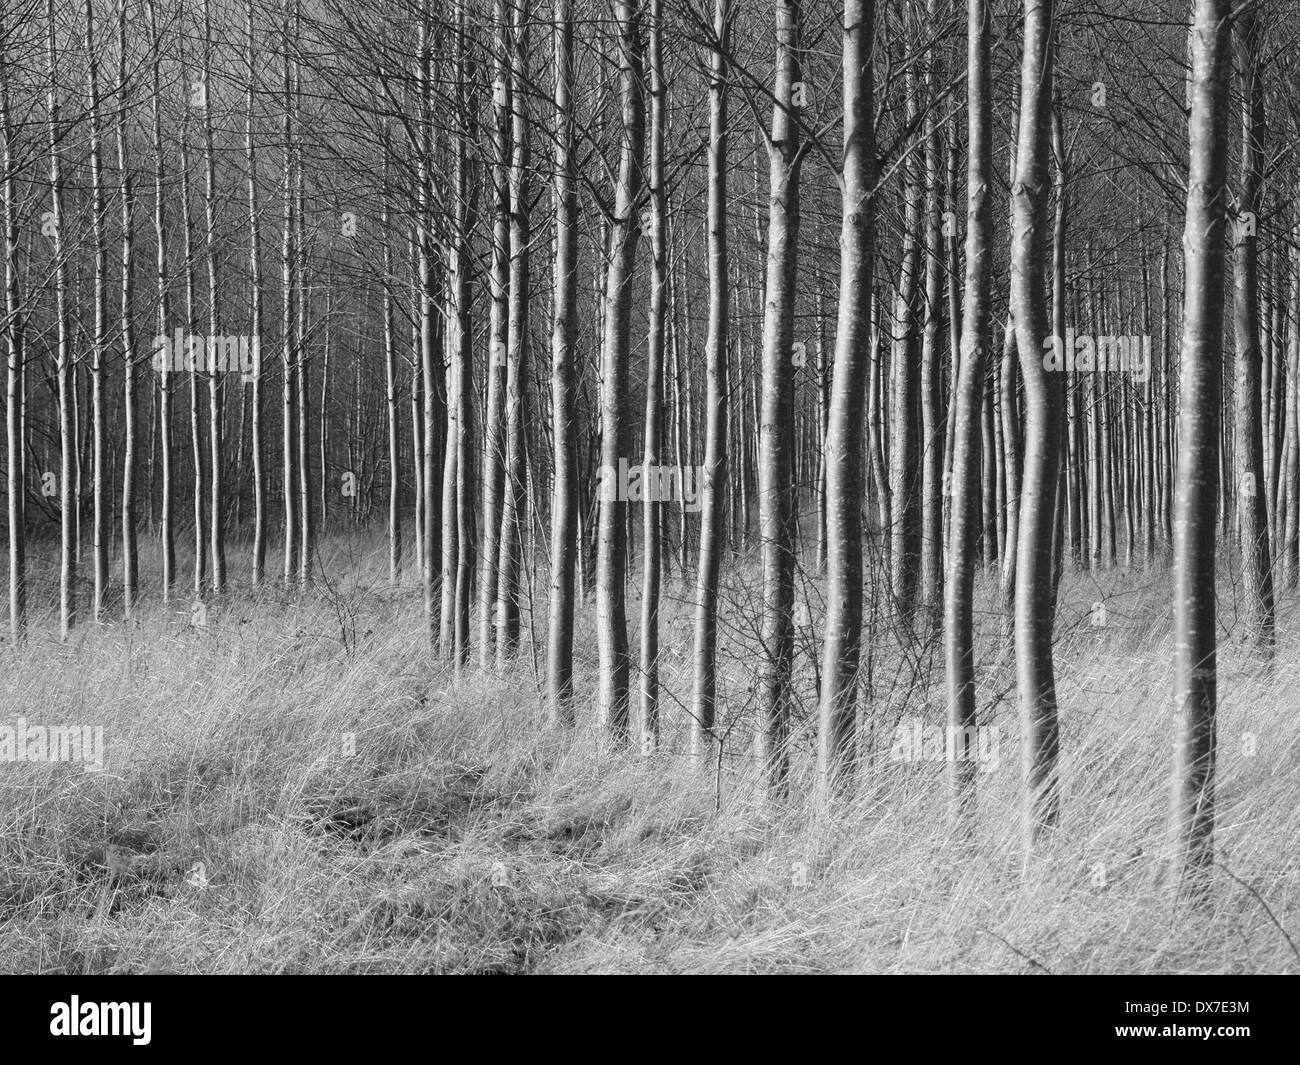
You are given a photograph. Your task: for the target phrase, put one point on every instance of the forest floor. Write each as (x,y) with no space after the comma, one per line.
(298,786)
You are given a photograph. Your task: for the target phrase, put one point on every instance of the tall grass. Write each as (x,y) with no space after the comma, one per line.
(298,786)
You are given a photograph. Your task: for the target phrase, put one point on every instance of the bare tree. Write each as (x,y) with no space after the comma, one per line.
(705,684)
(63,368)
(1200,382)
(99,337)
(564,490)
(959,651)
(14,351)
(905,465)
(1248,449)
(652,445)
(255,311)
(776,498)
(288,307)
(514,501)
(130,560)
(842,646)
(624,223)
(167,531)
(493,466)
(216,385)
(1044,393)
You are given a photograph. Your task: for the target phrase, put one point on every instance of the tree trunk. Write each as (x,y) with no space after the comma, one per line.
(216,383)
(959,652)
(493,466)
(842,646)
(514,501)
(564,415)
(776,492)
(1257,619)
(391,394)
(611,548)
(306,524)
(905,480)
(713,493)
(932,426)
(288,346)
(164,416)
(130,561)
(99,339)
(1043,402)
(15,388)
(255,322)
(1195,696)
(652,445)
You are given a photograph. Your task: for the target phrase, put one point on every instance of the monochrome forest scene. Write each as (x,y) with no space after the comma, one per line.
(650,487)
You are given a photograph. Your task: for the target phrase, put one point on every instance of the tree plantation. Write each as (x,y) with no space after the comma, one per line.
(651,485)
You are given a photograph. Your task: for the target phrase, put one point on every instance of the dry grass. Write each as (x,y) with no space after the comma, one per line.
(230,832)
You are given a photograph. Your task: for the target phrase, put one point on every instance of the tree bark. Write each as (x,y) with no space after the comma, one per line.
(493,466)
(776,492)
(514,502)
(14,436)
(1200,380)
(564,439)
(1044,392)
(713,495)
(652,446)
(959,652)
(1257,618)
(842,646)
(611,548)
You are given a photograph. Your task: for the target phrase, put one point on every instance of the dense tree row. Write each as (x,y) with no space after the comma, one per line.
(871,294)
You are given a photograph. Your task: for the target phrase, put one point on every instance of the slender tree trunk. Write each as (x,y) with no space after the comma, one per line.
(216,386)
(167,510)
(99,338)
(14,435)
(1044,390)
(1291,477)
(514,501)
(288,313)
(1200,380)
(713,489)
(466,190)
(842,646)
(130,561)
(652,446)
(959,651)
(776,492)
(564,414)
(431,542)
(493,471)
(255,321)
(611,548)
(196,351)
(823,415)
(1248,444)
(876,385)
(932,425)
(306,520)
(393,403)
(905,479)
(1009,458)
(1060,213)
